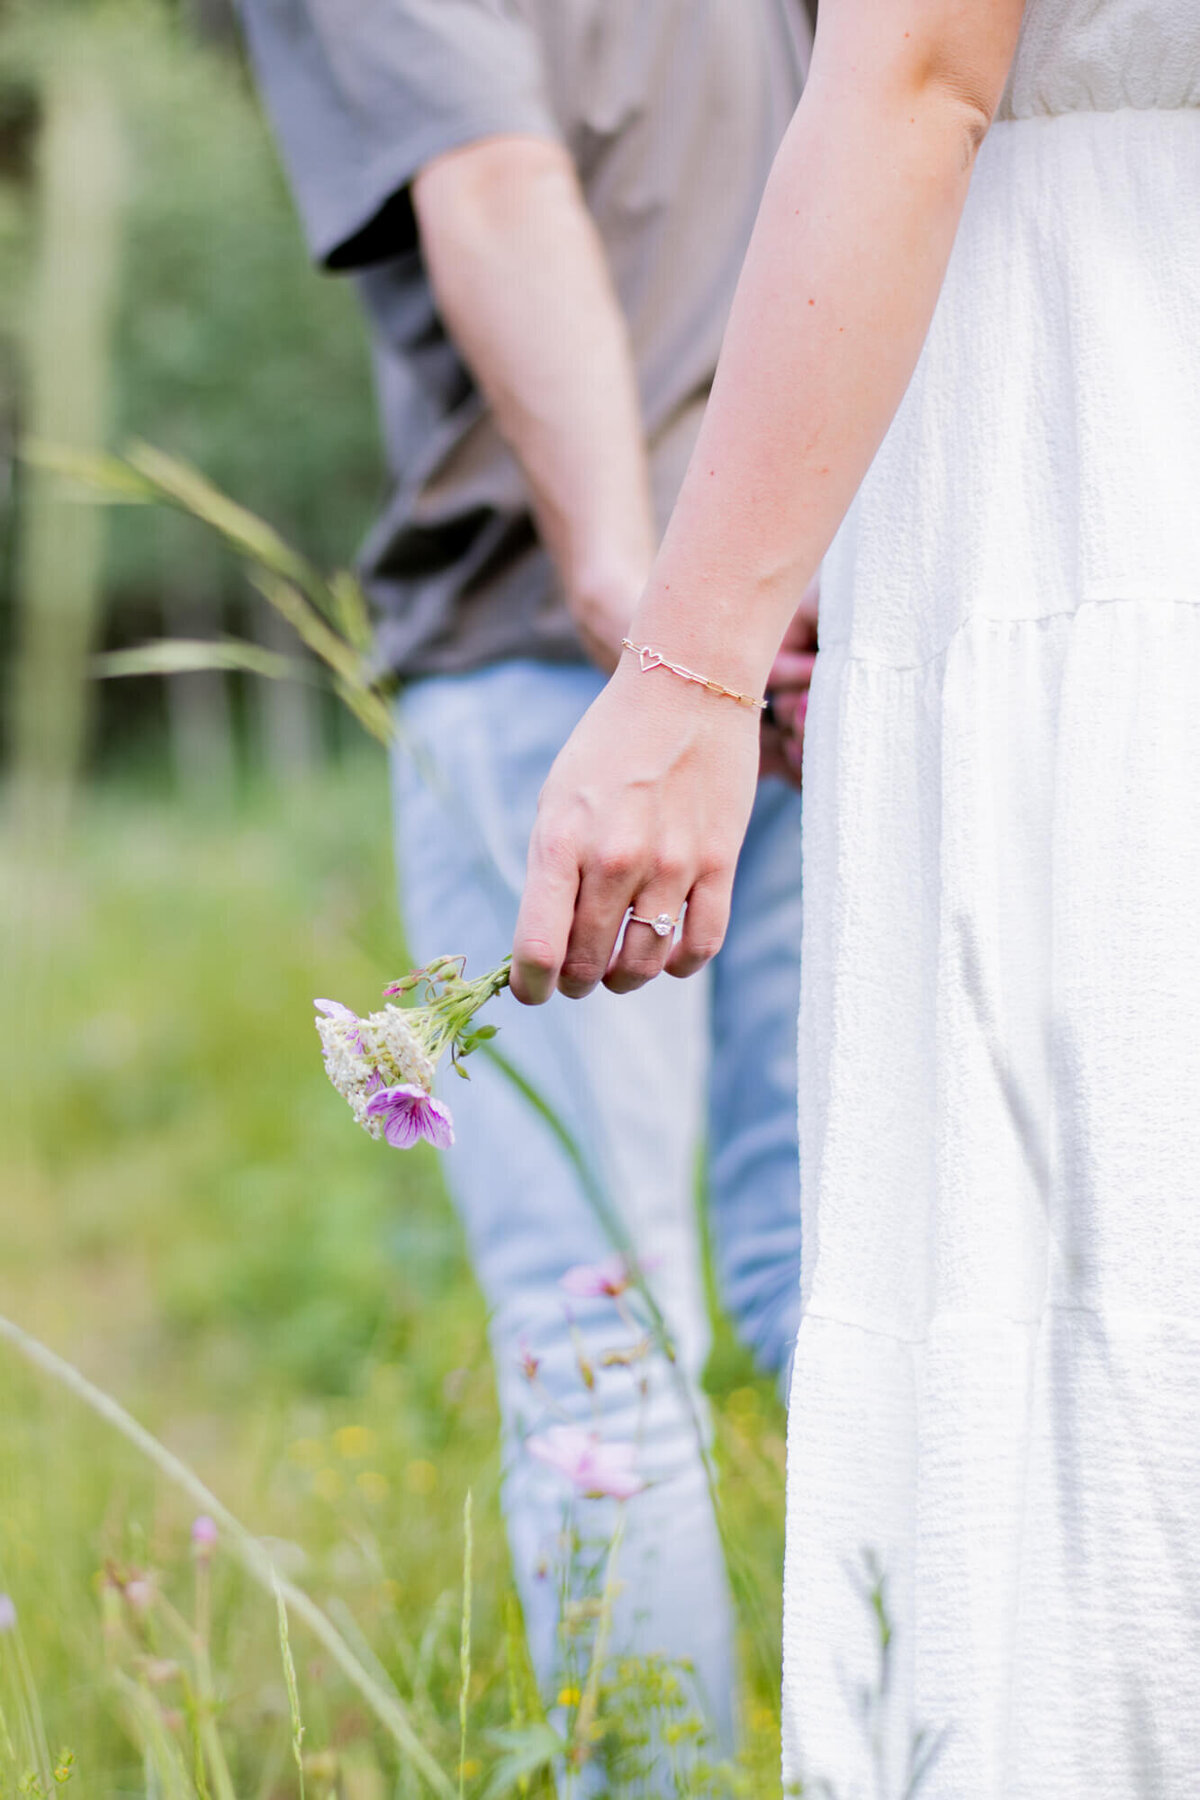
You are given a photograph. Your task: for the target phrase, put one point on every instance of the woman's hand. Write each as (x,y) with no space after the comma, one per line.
(646,807)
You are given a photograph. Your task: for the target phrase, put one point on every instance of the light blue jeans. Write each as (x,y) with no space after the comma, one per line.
(643,1081)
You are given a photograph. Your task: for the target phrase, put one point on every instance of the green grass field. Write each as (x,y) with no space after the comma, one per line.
(190,1217)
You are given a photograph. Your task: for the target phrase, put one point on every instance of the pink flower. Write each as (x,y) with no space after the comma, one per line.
(409,1114)
(204,1534)
(141,1593)
(602,1280)
(596,1470)
(527,1362)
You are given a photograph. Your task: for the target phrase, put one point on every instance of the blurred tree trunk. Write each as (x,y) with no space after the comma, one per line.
(290,710)
(60,549)
(199,711)
(68,340)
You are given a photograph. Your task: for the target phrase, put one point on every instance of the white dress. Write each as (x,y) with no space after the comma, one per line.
(997,1382)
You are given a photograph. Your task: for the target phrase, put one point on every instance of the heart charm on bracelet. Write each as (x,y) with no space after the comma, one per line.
(654,659)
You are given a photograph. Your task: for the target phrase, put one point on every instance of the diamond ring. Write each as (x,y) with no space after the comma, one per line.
(662,925)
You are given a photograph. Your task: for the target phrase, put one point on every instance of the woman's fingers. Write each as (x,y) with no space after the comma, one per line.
(544,920)
(704,924)
(601,905)
(645,946)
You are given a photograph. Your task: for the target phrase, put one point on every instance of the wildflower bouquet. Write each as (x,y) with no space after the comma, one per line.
(384,1065)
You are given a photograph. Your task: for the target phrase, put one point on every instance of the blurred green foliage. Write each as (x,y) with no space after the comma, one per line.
(185,1210)
(228,350)
(281,1298)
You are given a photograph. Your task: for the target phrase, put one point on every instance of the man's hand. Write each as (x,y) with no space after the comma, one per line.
(601,603)
(788,685)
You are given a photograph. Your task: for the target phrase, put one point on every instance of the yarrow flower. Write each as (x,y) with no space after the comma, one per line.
(595,1469)
(384,1065)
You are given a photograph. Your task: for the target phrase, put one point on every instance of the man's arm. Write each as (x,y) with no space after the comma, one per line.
(523,286)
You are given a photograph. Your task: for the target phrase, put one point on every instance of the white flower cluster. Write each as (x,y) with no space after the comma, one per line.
(393,1042)
(364,1055)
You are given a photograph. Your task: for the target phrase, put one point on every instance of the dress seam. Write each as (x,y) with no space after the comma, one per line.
(995,1318)
(1093,599)
(1093,112)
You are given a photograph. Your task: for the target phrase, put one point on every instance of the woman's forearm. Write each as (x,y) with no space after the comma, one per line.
(835,299)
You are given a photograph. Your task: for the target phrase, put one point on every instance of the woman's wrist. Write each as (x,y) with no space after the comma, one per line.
(714,636)
(651,658)
(683,702)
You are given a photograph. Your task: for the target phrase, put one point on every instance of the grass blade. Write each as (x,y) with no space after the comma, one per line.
(464,1648)
(187,656)
(293,1688)
(387,1708)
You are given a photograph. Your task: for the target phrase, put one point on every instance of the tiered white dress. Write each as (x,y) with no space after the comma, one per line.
(997,1383)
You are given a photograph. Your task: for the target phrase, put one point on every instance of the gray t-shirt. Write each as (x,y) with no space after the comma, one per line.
(672,111)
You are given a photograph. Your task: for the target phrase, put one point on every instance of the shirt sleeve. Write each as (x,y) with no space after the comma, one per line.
(364,93)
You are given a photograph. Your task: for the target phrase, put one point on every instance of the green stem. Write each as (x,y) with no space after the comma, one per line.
(614,1228)
(464,1652)
(589,1704)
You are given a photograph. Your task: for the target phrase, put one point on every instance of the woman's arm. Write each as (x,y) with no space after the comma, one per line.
(649,800)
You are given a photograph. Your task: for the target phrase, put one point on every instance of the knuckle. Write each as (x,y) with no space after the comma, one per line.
(582,971)
(704,946)
(669,871)
(556,849)
(533,952)
(615,862)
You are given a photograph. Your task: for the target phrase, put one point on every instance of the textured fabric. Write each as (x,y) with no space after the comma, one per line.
(671,110)
(1101,55)
(997,1382)
(628,1075)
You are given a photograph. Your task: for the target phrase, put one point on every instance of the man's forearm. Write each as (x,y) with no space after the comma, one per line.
(522,284)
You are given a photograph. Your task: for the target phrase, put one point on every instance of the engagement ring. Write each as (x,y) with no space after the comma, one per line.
(662,925)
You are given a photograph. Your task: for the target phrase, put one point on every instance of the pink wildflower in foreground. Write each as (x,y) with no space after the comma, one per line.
(204,1534)
(596,1470)
(408,1114)
(141,1593)
(603,1280)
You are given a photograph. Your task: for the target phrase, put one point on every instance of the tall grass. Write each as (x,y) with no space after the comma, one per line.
(288,1308)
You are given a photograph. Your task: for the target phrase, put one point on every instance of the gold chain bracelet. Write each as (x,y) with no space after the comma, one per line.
(654,659)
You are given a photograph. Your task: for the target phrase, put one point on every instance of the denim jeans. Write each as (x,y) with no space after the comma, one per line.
(643,1081)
